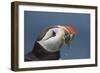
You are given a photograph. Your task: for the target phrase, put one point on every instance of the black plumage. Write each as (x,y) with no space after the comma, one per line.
(39,53)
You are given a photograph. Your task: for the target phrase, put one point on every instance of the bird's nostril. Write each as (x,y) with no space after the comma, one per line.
(53,34)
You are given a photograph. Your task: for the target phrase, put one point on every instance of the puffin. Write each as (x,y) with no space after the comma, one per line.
(49,41)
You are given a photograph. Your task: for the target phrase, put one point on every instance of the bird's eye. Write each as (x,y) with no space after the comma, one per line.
(53,34)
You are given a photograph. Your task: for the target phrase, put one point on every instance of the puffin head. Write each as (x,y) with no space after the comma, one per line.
(68,34)
(53,37)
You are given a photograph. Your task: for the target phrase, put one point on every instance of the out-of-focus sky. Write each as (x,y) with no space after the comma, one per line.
(35,22)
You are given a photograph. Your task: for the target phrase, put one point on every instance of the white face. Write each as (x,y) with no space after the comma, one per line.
(53,40)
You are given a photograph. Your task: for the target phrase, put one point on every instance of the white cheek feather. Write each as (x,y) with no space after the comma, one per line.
(52,44)
(48,35)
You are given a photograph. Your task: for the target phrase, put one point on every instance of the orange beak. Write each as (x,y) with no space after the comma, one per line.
(70,29)
(69,36)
